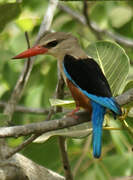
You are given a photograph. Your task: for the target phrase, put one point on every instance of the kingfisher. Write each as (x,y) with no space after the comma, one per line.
(83,76)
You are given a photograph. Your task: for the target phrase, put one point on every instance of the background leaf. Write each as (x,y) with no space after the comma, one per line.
(123,14)
(8,12)
(78,131)
(63,103)
(113,61)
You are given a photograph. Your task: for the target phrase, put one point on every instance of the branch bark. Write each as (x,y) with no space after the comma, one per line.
(88,22)
(19,167)
(43,127)
(23,109)
(80,18)
(126,97)
(62,140)
(122,99)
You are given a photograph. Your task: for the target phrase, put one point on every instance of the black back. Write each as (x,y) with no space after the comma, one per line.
(87,74)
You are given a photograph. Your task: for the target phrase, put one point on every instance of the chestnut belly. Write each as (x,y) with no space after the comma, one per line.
(80,99)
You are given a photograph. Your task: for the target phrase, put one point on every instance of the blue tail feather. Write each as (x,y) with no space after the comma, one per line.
(97,122)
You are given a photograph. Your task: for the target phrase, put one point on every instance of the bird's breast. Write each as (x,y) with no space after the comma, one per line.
(80,99)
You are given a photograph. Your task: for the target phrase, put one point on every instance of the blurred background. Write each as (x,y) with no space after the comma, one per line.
(15,19)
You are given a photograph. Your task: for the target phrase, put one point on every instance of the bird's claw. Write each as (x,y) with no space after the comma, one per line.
(72,114)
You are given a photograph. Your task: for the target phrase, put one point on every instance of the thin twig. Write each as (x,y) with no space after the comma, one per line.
(62,140)
(83,155)
(85,12)
(28,141)
(65,160)
(21,146)
(122,99)
(43,127)
(80,18)
(24,109)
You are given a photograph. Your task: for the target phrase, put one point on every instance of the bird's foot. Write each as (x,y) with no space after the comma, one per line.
(72,114)
(124,114)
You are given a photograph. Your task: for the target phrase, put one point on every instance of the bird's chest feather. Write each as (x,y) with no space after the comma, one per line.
(80,99)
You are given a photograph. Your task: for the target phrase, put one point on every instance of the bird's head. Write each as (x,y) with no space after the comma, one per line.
(57,44)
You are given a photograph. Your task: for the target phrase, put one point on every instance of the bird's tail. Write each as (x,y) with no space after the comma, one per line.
(97,122)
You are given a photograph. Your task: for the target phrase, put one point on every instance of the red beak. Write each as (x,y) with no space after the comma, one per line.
(36,50)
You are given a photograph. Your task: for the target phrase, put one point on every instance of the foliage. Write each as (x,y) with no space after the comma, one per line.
(117,156)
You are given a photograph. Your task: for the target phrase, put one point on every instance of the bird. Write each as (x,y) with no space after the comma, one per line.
(83,76)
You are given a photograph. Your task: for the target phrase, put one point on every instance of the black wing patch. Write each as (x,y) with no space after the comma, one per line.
(87,74)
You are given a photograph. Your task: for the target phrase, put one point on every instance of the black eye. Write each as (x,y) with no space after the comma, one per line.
(51,44)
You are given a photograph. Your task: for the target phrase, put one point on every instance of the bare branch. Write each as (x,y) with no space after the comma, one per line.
(88,22)
(21,146)
(117,37)
(20,167)
(43,127)
(57,124)
(28,141)
(24,109)
(47,19)
(62,140)
(65,160)
(82,157)
(125,98)
(122,99)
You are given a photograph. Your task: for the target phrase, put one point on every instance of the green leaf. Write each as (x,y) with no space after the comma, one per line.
(15,142)
(78,131)
(113,61)
(120,15)
(27,20)
(8,12)
(128,86)
(63,103)
(130,104)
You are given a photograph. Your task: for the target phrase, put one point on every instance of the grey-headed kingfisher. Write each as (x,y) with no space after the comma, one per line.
(83,76)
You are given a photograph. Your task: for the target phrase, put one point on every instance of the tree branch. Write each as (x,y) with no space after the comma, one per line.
(46,126)
(62,140)
(24,109)
(88,22)
(43,127)
(82,157)
(19,167)
(80,18)
(125,98)
(122,99)
(29,140)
